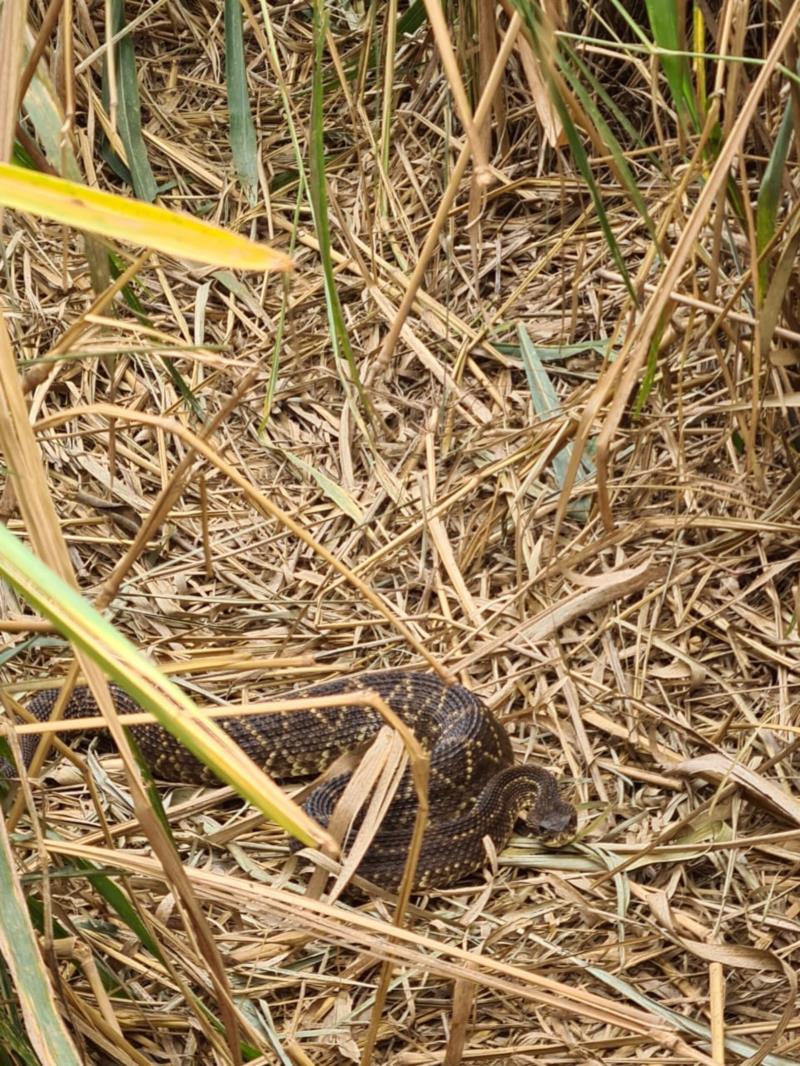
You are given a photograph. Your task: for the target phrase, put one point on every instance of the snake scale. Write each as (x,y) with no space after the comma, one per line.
(475,790)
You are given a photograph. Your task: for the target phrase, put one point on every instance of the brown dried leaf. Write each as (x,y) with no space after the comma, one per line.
(719,768)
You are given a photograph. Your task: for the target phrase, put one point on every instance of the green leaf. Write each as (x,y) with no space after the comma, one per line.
(242,131)
(651,368)
(547,405)
(129,116)
(770,192)
(20,949)
(668,36)
(536,35)
(318,192)
(343,500)
(571,66)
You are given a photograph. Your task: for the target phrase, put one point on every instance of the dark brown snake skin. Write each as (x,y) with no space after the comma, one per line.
(474,791)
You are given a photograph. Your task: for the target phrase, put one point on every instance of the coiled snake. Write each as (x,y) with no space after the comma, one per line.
(474,791)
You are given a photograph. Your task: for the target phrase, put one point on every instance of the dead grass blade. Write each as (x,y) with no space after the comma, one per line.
(721,768)
(447,510)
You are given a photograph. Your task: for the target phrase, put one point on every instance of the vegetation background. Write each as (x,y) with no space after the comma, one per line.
(526,406)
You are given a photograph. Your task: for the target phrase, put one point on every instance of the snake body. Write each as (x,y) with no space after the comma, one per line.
(475,790)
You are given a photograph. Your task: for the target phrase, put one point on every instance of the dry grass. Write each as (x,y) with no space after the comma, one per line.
(653,665)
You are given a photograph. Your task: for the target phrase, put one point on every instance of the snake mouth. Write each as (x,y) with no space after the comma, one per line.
(558,840)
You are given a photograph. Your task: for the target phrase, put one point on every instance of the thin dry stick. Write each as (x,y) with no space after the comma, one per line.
(43,747)
(716,995)
(559,436)
(229,710)
(25,625)
(40,44)
(721,314)
(441,35)
(463,1002)
(432,240)
(12,33)
(549,621)
(420,772)
(362,930)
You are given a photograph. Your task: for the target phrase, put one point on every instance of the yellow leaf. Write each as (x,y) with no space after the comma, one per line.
(133,220)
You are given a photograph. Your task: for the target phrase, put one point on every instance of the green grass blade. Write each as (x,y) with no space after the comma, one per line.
(118,902)
(129,116)
(770,193)
(668,35)
(280,182)
(20,949)
(571,67)
(318,193)
(536,34)
(114,896)
(650,370)
(13,1039)
(412,18)
(580,74)
(547,405)
(242,131)
(130,297)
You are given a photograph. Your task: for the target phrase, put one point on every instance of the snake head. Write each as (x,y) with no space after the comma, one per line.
(554,820)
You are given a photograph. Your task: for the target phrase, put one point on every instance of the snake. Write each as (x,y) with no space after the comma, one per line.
(475,790)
